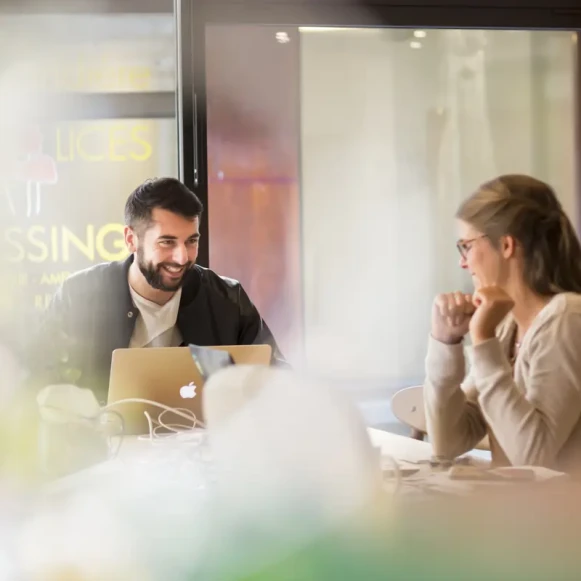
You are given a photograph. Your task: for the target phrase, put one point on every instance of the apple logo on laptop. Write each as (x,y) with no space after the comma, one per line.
(188,391)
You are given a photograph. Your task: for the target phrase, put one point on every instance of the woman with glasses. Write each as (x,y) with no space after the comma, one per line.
(524,321)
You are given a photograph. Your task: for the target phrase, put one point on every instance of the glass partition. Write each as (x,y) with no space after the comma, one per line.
(337,158)
(87,112)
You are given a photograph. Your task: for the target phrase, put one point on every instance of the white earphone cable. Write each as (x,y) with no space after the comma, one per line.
(157,425)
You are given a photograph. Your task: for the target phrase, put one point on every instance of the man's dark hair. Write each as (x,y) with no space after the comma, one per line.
(164,193)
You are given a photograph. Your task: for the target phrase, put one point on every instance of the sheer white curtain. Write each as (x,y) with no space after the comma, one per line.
(365,198)
(398,127)
(465,148)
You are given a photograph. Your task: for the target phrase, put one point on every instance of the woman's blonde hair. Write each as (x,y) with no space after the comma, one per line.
(528,210)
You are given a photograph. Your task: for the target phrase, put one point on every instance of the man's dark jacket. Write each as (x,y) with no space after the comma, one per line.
(92,314)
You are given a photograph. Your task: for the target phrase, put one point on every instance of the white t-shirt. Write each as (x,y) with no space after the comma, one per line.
(156,324)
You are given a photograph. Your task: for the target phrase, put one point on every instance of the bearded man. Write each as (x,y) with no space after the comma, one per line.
(158,297)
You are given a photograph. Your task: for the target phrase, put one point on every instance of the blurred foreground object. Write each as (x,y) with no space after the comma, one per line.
(292,495)
(74,432)
(285,437)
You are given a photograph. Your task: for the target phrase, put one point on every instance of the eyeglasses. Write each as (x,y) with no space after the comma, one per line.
(464,246)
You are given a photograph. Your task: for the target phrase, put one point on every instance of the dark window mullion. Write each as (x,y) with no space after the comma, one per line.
(92,106)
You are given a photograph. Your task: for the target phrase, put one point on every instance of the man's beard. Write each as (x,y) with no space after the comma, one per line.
(153,274)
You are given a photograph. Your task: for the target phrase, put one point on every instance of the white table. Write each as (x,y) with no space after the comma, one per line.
(412,451)
(400,448)
(407,452)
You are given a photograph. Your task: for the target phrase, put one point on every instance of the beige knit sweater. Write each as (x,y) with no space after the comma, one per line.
(531,413)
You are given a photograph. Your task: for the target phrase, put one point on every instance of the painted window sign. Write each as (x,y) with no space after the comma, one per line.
(29,166)
(63,187)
